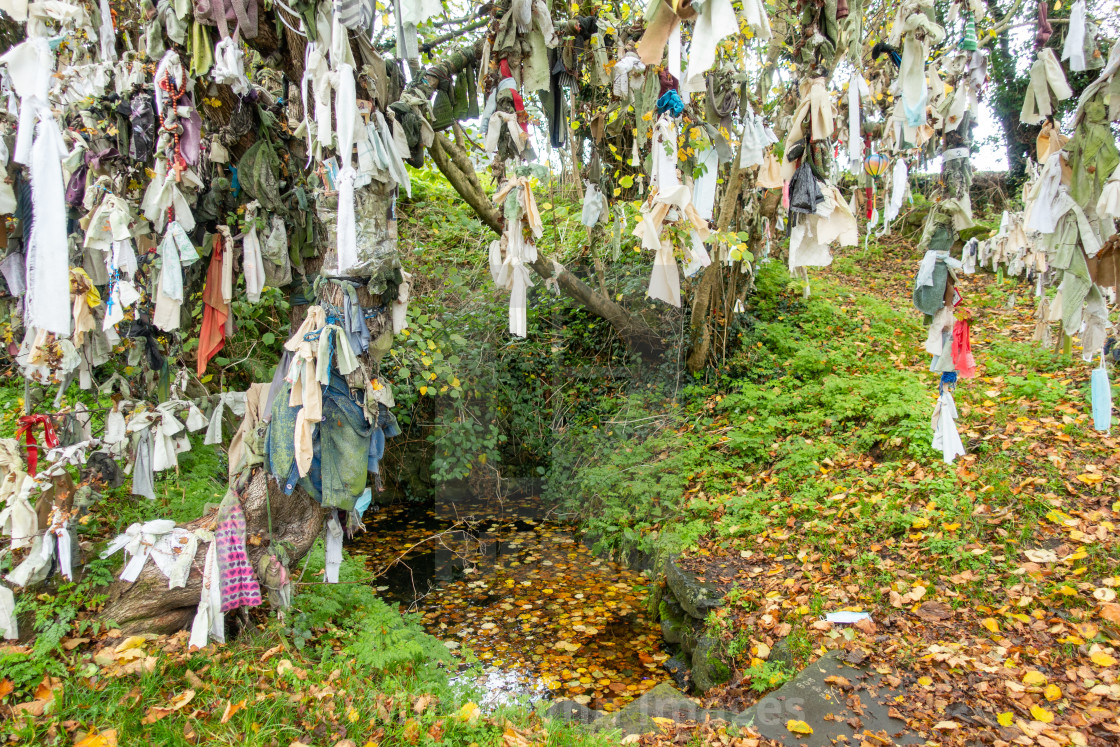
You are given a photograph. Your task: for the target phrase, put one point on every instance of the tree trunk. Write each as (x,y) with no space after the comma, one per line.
(147,605)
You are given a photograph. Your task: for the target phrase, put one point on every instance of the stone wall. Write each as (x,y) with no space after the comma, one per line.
(682,607)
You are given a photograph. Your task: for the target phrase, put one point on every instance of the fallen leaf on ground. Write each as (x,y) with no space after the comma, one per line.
(107,738)
(1041,714)
(232,708)
(934,611)
(1101,659)
(799,727)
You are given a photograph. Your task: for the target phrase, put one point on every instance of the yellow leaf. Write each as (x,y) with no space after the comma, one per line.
(1041,714)
(231,709)
(925,681)
(990,624)
(180,701)
(799,727)
(1101,659)
(1005,718)
(1091,478)
(131,642)
(106,738)
(470,713)
(1034,677)
(920,523)
(423,390)
(1052,692)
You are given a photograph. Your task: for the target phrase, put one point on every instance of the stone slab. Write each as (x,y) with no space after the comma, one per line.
(832,712)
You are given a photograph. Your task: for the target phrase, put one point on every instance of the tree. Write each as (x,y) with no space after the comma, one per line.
(198,157)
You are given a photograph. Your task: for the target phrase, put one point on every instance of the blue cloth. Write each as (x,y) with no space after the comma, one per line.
(363,502)
(1102,399)
(671,102)
(280,446)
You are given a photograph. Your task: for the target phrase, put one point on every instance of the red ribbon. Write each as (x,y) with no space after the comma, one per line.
(25,428)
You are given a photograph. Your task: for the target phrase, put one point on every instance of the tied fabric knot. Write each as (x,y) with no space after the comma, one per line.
(235,401)
(137,542)
(628,75)
(220,13)
(1047,88)
(18,519)
(177,252)
(512,272)
(229,66)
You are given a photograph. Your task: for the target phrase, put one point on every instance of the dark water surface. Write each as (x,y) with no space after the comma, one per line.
(504,580)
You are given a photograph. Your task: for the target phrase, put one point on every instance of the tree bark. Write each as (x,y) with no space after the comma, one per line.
(147,605)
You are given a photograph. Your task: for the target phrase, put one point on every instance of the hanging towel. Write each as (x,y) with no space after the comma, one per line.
(8,624)
(857,88)
(332,532)
(1046,88)
(899,182)
(1074,48)
(48,263)
(1101,397)
(754,13)
(252,262)
(209,622)
(215,310)
(716,22)
(238,585)
(912,77)
(945,436)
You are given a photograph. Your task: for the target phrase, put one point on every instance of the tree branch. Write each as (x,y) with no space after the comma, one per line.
(455,165)
(1003,24)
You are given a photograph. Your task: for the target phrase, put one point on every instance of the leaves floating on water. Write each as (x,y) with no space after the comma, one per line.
(523,594)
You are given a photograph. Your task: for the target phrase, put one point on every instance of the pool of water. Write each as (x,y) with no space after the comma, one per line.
(502,579)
